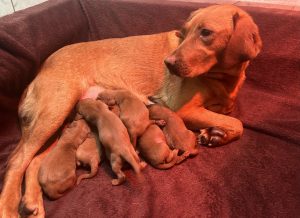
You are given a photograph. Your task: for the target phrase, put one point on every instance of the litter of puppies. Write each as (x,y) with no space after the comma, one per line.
(116,126)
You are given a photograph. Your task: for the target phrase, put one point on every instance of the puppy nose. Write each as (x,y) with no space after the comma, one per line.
(170,61)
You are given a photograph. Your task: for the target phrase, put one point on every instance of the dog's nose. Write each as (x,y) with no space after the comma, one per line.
(170,61)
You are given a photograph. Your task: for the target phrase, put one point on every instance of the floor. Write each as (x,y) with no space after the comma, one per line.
(9,6)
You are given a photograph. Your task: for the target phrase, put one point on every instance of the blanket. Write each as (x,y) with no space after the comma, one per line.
(256,176)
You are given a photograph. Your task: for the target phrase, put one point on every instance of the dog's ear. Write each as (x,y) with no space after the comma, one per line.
(187,25)
(245,42)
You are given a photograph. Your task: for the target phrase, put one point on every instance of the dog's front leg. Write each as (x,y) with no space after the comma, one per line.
(215,129)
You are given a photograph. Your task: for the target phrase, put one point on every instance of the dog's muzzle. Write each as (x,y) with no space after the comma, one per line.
(170,62)
(176,66)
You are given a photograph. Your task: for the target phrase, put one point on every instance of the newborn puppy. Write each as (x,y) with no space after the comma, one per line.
(113,136)
(177,135)
(89,153)
(57,173)
(131,110)
(153,147)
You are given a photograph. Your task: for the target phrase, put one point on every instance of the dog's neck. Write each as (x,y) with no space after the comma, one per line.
(170,90)
(177,91)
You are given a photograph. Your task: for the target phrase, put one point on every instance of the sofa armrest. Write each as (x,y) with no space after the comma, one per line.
(29,36)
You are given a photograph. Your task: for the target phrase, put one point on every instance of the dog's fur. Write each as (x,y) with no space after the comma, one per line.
(113,136)
(132,111)
(211,55)
(57,173)
(177,135)
(89,153)
(32,204)
(152,145)
(32,200)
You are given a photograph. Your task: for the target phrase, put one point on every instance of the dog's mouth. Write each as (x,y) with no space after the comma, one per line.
(183,72)
(177,72)
(180,68)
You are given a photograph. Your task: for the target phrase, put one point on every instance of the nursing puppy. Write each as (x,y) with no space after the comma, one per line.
(57,173)
(204,69)
(152,145)
(89,153)
(177,135)
(112,135)
(131,110)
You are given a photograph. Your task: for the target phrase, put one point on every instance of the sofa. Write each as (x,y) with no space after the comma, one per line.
(255,176)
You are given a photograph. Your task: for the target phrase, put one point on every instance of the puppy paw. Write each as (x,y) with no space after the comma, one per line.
(211,137)
(118,181)
(143,165)
(160,123)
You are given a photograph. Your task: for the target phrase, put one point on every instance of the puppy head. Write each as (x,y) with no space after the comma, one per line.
(221,35)
(107,98)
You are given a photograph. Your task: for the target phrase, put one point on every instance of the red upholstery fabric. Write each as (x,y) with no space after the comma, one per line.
(257,176)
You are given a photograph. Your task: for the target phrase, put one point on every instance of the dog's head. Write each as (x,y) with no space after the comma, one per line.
(220,35)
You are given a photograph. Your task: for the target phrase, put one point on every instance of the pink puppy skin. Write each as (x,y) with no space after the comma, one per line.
(92,92)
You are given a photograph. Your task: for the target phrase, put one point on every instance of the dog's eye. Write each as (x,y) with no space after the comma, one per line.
(205,32)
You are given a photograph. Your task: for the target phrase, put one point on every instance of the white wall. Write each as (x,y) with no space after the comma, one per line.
(8,6)
(279,2)
(282,4)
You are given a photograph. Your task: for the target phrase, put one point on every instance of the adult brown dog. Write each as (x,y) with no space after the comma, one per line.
(203,71)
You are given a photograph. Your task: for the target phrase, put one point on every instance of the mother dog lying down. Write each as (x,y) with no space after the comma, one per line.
(197,72)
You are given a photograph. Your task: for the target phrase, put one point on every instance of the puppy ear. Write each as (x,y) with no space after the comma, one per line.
(245,42)
(78,117)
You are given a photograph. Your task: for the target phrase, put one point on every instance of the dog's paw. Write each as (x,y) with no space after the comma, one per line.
(212,137)
(28,208)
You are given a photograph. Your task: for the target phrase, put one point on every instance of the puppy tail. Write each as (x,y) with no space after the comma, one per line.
(94,170)
(183,157)
(173,160)
(194,152)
